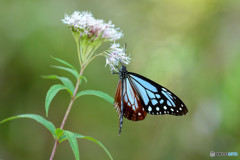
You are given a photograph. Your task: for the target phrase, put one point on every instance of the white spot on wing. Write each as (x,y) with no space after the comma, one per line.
(149,108)
(157,108)
(165,107)
(164,89)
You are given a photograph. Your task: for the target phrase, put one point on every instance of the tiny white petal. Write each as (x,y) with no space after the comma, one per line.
(115,56)
(84,22)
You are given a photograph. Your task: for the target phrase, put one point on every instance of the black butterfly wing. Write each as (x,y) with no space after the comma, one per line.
(132,105)
(155,98)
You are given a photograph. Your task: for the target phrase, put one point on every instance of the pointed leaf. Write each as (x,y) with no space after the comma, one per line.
(96,93)
(49,125)
(66,82)
(64,137)
(50,77)
(72,71)
(95,141)
(64,62)
(83,77)
(51,94)
(73,143)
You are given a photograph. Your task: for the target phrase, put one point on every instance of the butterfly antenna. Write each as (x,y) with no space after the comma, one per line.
(121,114)
(125,47)
(117,67)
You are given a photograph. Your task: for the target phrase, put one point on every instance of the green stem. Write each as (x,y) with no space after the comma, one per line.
(77,39)
(100,54)
(84,45)
(79,54)
(93,49)
(85,56)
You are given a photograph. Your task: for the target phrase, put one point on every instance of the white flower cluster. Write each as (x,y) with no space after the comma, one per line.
(85,23)
(115,56)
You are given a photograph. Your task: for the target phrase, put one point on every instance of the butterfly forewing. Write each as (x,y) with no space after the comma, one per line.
(155,98)
(132,106)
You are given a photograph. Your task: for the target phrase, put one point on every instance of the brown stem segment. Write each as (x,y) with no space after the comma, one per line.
(67,112)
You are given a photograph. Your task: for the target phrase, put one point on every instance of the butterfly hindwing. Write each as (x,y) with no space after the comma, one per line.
(117,101)
(132,106)
(155,98)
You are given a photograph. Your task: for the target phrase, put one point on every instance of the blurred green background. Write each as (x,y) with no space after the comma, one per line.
(190,47)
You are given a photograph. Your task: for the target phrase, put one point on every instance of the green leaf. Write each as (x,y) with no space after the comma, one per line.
(49,125)
(83,77)
(59,132)
(73,143)
(51,94)
(64,62)
(66,82)
(64,137)
(96,93)
(95,141)
(72,71)
(50,77)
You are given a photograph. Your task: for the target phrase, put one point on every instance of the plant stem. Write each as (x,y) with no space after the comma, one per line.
(54,149)
(92,58)
(67,112)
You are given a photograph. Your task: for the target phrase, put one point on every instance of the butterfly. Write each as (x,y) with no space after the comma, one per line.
(136,96)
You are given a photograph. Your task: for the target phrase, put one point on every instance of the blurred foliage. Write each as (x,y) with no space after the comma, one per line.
(190,47)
